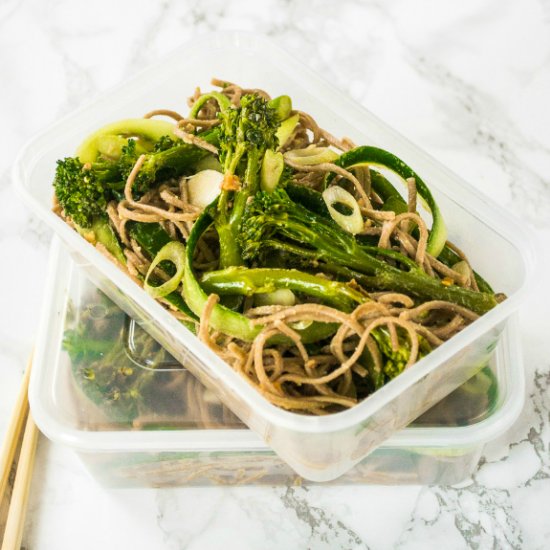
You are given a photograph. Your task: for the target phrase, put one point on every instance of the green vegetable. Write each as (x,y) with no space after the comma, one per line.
(309,198)
(106,374)
(372,156)
(311,155)
(395,202)
(173,252)
(268,226)
(84,192)
(245,135)
(272,170)
(396,360)
(344,209)
(286,129)
(223,319)
(84,189)
(109,140)
(390,196)
(152,238)
(171,158)
(279,297)
(247,282)
(274,222)
(282,106)
(104,234)
(450,258)
(220,99)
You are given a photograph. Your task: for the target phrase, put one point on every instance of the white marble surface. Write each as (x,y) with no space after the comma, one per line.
(468,81)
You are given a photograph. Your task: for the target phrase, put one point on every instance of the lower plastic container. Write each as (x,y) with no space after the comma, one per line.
(104,387)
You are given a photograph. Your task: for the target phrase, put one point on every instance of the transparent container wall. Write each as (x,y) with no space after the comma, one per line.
(385,466)
(138,419)
(318,448)
(115,376)
(347,447)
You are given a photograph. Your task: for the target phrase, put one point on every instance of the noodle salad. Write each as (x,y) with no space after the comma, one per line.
(288,251)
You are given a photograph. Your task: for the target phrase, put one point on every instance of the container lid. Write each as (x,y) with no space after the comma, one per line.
(101,382)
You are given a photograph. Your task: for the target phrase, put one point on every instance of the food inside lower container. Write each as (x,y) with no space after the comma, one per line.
(123,378)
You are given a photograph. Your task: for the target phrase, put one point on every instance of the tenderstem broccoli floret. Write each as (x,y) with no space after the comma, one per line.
(245,135)
(273,221)
(84,186)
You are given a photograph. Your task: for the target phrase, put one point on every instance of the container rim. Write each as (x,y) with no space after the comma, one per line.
(496,217)
(59,273)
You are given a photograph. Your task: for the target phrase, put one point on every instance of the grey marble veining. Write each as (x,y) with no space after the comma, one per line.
(467,81)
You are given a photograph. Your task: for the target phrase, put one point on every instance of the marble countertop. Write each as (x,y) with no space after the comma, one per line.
(469,82)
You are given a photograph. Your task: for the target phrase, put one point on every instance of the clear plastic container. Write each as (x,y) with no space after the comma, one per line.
(318,448)
(105,388)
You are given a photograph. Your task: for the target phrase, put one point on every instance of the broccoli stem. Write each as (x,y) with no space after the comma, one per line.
(250,188)
(223,319)
(106,236)
(247,282)
(393,200)
(417,284)
(372,156)
(229,216)
(245,134)
(275,221)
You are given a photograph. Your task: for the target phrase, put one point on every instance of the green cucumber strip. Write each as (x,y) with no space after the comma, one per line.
(222,100)
(145,129)
(373,156)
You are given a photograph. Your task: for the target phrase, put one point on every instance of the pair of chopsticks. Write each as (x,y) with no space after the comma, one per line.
(17,455)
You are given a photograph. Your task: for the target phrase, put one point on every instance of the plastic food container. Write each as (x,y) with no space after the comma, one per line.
(317,448)
(138,418)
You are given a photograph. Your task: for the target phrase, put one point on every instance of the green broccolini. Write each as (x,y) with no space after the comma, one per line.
(273,221)
(83,191)
(242,280)
(106,373)
(245,135)
(84,188)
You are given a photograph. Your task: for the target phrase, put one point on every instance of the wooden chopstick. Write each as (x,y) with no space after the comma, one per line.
(15,428)
(15,522)
(13,532)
